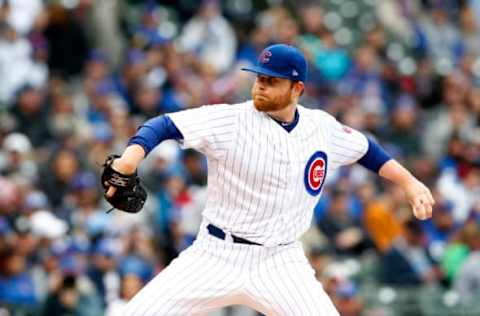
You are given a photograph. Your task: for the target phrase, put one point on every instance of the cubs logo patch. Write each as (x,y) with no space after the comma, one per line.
(265,57)
(315,173)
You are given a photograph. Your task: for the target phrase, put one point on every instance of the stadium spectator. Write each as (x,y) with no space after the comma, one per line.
(78,77)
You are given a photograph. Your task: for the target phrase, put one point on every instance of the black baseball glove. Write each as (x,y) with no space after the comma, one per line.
(129,195)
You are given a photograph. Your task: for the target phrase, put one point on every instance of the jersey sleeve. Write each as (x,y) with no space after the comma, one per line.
(209,129)
(346,144)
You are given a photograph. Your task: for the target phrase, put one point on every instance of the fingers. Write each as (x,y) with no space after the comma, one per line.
(430,196)
(422,207)
(111,191)
(421,200)
(429,203)
(419,212)
(429,211)
(427,194)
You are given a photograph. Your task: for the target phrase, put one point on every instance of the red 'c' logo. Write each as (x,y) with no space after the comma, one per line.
(265,57)
(315,173)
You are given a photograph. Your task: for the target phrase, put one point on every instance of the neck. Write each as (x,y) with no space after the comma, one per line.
(286,114)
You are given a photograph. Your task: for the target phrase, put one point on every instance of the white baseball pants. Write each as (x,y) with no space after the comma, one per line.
(213,273)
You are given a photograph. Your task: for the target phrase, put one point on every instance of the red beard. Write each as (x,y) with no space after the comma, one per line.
(265,104)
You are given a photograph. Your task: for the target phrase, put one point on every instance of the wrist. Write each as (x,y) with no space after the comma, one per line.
(130,159)
(124,166)
(408,180)
(396,173)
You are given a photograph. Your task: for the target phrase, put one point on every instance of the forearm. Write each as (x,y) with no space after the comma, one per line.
(130,159)
(149,135)
(378,160)
(396,173)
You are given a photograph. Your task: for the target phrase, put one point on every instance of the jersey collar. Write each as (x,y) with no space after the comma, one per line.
(289,126)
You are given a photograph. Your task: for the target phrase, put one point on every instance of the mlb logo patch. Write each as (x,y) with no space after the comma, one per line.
(347,129)
(315,173)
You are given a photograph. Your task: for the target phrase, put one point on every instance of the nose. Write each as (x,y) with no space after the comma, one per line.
(260,85)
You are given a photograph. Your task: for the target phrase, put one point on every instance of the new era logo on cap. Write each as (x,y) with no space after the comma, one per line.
(282,61)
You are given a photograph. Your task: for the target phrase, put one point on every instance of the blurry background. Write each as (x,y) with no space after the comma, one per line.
(78,76)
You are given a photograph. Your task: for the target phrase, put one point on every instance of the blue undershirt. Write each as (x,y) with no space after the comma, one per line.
(375,157)
(289,126)
(160,128)
(154,131)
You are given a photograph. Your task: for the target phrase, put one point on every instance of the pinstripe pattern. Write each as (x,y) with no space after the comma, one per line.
(285,279)
(256,191)
(256,186)
(276,281)
(346,145)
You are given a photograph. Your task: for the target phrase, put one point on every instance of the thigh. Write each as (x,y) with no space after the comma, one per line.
(287,284)
(192,284)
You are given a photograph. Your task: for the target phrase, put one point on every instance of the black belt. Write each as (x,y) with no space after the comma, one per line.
(219,233)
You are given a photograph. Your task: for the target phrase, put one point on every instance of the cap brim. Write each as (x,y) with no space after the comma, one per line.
(265,72)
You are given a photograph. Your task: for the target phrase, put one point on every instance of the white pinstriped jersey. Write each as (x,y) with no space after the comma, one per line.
(263,182)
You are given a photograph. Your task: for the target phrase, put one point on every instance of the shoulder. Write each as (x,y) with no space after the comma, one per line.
(226,107)
(225,110)
(317,116)
(242,109)
(209,109)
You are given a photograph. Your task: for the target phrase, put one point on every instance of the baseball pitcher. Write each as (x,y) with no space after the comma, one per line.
(268,159)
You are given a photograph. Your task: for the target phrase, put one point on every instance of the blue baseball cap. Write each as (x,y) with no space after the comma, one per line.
(282,61)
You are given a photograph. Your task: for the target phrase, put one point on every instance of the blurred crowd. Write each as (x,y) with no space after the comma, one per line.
(78,77)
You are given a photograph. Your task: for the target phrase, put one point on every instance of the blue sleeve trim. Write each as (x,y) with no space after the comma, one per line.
(155,131)
(375,157)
